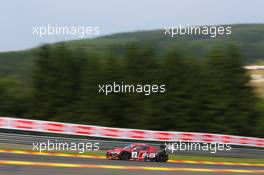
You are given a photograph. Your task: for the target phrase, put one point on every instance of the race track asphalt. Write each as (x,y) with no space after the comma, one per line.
(18,164)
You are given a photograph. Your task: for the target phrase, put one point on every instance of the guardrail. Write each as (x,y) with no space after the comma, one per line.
(122,133)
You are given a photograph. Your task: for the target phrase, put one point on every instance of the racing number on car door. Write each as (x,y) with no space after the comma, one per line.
(134,155)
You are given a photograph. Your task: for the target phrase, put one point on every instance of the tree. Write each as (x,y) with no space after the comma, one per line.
(231,102)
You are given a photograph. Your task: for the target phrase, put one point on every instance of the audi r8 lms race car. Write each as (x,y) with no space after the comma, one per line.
(140,152)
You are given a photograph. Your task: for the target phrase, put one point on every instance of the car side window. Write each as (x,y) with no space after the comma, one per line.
(140,147)
(144,147)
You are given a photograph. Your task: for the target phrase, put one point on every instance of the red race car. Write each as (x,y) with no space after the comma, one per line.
(137,151)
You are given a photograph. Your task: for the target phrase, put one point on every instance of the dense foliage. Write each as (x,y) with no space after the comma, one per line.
(212,95)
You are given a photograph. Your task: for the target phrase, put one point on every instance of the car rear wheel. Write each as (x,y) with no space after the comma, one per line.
(125,156)
(162,157)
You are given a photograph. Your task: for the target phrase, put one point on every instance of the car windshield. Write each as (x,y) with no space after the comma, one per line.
(128,147)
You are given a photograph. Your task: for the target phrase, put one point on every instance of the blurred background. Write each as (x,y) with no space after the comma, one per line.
(208,87)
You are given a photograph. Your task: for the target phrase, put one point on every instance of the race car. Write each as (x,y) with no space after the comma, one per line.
(140,152)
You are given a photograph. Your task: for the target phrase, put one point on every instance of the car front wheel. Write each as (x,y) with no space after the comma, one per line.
(124,156)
